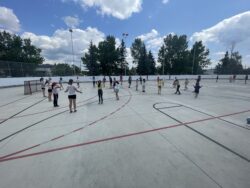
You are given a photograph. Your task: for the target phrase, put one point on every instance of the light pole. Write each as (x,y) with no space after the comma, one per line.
(124,36)
(73,59)
(193,60)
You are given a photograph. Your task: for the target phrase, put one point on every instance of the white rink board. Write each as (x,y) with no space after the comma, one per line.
(4,82)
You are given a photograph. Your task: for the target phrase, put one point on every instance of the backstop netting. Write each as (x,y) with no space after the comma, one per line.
(31,86)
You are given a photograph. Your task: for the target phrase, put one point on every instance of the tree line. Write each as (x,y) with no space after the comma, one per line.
(18,57)
(107,58)
(231,63)
(14,48)
(174,57)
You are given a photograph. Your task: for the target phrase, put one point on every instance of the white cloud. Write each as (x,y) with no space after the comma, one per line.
(8,20)
(129,58)
(234,30)
(152,34)
(121,9)
(58,47)
(153,41)
(71,22)
(165,1)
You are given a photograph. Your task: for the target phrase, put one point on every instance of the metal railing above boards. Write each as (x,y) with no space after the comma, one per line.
(22,69)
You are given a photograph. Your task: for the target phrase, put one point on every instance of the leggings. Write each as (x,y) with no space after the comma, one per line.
(55,96)
(100,95)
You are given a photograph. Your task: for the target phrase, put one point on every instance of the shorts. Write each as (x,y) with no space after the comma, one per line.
(71,96)
(100,92)
(116,90)
(49,90)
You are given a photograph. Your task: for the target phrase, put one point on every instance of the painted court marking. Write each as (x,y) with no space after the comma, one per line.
(116,137)
(76,130)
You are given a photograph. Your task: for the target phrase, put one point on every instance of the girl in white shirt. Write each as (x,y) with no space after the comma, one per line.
(71,89)
(54,87)
(116,89)
(43,86)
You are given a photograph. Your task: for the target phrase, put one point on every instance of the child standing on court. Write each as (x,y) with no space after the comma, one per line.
(54,87)
(186,84)
(77,82)
(143,85)
(140,80)
(100,92)
(246,78)
(129,81)
(114,83)
(49,89)
(197,89)
(104,81)
(43,86)
(93,79)
(72,95)
(178,87)
(116,89)
(60,83)
(175,82)
(159,82)
(110,82)
(217,78)
(136,84)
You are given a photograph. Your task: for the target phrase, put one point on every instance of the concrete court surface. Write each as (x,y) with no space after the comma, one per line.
(144,140)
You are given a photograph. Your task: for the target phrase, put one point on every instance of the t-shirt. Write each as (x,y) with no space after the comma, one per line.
(99,86)
(71,89)
(42,84)
(159,83)
(117,87)
(54,90)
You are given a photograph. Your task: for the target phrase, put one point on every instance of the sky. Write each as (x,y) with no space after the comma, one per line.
(220,24)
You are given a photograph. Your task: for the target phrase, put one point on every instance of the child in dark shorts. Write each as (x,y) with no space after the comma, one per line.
(72,95)
(197,89)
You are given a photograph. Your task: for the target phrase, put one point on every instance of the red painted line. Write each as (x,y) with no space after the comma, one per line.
(57,137)
(74,130)
(116,137)
(20,151)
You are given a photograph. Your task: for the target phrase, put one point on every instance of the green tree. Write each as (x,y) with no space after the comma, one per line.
(198,58)
(62,70)
(136,49)
(90,60)
(108,56)
(31,54)
(14,48)
(140,56)
(5,41)
(173,54)
(76,69)
(19,54)
(230,64)
(151,63)
(122,64)
(143,66)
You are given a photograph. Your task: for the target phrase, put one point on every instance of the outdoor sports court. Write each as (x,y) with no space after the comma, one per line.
(142,140)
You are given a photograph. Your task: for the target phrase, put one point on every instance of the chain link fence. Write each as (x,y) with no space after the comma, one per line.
(20,69)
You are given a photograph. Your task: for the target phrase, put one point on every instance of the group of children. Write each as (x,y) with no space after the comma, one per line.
(53,89)
(176,84)
(114,84)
